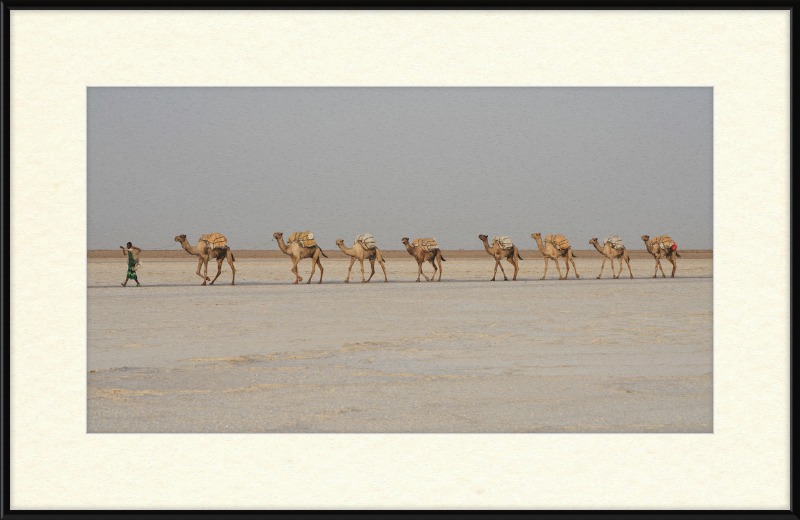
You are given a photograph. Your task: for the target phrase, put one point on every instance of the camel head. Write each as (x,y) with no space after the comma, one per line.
(482,237)
(645,237)
(593,241)
(277,236)
(340,242)
(180,238)
(405,240)
(536,235)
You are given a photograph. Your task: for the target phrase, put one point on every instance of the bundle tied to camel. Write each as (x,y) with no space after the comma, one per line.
(427,244)
(304,238)
(558,241)
(214,240)
(664,242)
(367,239)
(615,241)
(505,242)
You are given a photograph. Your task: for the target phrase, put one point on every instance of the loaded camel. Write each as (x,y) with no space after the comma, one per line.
(204,254)
(360,252)
(658,253)
(512,255)
(298,252)
(550,252)
(420,255)
(609,252)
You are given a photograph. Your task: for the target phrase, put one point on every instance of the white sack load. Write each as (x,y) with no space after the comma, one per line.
(505,242)
(615,241)
(427,244)
(367,239)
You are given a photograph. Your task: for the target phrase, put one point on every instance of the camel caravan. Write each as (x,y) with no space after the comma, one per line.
(302,245)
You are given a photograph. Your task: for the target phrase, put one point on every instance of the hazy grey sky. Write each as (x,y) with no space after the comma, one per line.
(446,162)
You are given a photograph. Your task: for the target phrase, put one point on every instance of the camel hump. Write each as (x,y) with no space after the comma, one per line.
(504,241)
(367,239)
(427,244)
(303,238)
(215,240)
(664,242)
(558,241)
(615,241)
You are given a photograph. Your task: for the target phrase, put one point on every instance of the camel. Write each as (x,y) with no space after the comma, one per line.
(420,255)
(360,253)
(658,254)
(548,251)
(609,252)
(298,252)
(203,255)
(512,255)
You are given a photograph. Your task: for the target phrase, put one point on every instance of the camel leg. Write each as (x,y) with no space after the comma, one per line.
(372,265)
(559,269)
(674,263)
(505,278)
(515,263)
(658,265)
(420,272)
(386,278)
(439,259)
(230,263)
(199,265)
(219,270)
(362,269)
(297,277)
(627,261)
(545,267)
(352,261)
(314,263)
(434,270)
(313,269)
(603,265)
(496,263)
(569,257)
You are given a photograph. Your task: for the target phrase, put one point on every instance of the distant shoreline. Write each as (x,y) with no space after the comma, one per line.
(389,254)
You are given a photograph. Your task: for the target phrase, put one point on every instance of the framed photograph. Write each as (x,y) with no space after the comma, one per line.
(140,127)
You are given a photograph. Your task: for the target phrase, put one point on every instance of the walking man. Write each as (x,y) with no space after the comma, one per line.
(133,263)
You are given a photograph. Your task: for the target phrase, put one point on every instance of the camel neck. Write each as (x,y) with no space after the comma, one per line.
(282,246)
(189,249)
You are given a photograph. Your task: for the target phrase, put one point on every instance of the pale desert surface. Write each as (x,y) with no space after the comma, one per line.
(464,355)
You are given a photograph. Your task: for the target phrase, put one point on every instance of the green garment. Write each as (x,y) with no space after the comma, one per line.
(131,267)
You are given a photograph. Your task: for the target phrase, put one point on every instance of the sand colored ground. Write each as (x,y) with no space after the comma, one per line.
(463,355)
